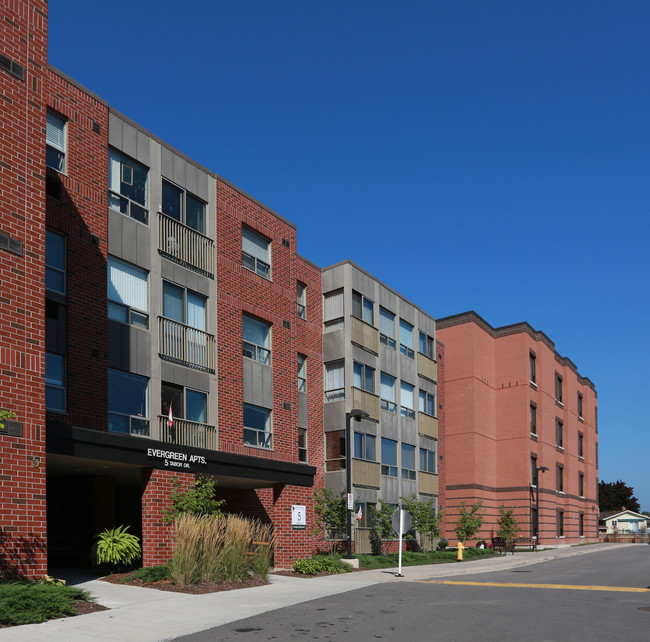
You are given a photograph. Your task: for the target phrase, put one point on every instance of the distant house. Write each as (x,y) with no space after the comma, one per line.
(622,522)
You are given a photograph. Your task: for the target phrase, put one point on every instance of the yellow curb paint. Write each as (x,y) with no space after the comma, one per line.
(574,587)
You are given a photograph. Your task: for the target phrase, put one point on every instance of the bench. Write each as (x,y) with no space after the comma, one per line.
(503,546)
(527,541)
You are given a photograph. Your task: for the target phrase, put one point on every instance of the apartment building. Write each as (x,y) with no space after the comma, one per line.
(380,356)
(521,431)
(177,328)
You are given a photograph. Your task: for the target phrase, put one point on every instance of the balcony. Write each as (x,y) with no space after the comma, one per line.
(365,473)
(180,343)
(187,433)
(366,401)
(428,483)
(185,246)
(364,335)
(428,425)
(427,367)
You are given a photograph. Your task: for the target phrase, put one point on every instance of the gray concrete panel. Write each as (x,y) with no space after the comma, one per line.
(167,164)
(365,495)
(363,284)
(130,140)
(427,385)
(334,279)
(388,360)
(141,351)
(181,376)
(389,489)
(409,487)
(114,131)
(143,245)
(333,346)
(302,410)
(335,481)
(407,312)
(408,370)
(362,356)
(408,431)
(143,149)
(180,175)
(334,416)
(258,383)
(426,324)
(389,425)
(115,227)
(387,299)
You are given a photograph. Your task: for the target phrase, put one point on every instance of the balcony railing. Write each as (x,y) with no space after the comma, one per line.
(183,344)
(187,433)
(186,246)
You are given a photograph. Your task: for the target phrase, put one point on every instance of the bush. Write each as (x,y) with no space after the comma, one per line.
(442,544)
(198,500)
(321,564)
(115,546)
(149,574)
(31,603)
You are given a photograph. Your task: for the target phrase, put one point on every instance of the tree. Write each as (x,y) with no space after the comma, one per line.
(469,521)
(381,525)
(426,521)
(198,500)
(617,496)
(508,525)
(331,514)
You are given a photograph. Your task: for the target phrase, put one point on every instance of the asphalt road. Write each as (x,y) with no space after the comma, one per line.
(556,600)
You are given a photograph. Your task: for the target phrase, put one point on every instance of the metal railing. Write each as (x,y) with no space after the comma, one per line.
(183,344)
(185,245)
(187,433)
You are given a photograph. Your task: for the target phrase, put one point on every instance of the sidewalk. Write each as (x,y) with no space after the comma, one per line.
(149,615)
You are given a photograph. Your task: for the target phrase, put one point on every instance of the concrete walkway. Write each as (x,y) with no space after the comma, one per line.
(149,615)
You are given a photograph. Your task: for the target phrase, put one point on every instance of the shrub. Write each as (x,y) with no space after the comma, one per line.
(115,546)
(469,521)
(320,564)
(442,544)
(150,574)
(198,500)
(508,525)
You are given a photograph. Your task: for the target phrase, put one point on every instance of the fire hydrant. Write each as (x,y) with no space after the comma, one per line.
(460,547)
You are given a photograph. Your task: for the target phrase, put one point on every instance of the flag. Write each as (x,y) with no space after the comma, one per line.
(170,421)
(359,514)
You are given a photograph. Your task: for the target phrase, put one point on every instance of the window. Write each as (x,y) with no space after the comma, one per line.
(558,388)
(256,253)
(581,484)
(408,461)
(334,381)
(533,368)
(55,382)
(428,460)
(388,457)
(581,524)
(534,524)
(427,403)
(183,206)
(427,345)
(560,523)
(387,328)
(533,419)
(580,416)
(302,373)
(534,473)
(388,393)
(302,444)
(55,142)
(559,436)
(301,298)
(364,446)
(184,306)
(365,508)
(559,478)
(54,262)
(364,377)
(333,311)
(257,426)
(127,186)
(581,445)
(363,308)
(406,400)
(127,293)
(128,408)
(406,339)
(256,339)
(185,403)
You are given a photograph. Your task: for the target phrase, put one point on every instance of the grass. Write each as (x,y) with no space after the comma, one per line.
(34,602)
(369,562)
(321,563)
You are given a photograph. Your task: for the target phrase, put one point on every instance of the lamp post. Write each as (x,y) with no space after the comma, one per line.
(541,469)
(357,414)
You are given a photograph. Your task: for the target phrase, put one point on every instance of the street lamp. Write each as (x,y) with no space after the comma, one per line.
(541,469)
(358,415)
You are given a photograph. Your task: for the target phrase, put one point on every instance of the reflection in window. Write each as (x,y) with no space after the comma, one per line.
(128,403)
(257,426)
(127,185)
(127,293)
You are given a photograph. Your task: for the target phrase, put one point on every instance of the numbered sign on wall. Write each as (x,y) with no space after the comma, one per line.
(298,517)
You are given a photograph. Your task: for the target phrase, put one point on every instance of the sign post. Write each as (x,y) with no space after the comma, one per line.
(401,524)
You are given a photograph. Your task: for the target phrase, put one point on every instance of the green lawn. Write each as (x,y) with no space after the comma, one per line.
(369,562)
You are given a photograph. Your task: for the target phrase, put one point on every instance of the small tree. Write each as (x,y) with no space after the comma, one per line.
(426,521)
(331,515)
(469,521)
(381,525)
(198,500)
(6,414)
(508,524)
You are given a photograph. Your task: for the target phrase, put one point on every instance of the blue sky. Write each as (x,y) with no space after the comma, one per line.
(492,156)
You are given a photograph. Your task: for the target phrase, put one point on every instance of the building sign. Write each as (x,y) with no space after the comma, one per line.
(298,518)
(176,459)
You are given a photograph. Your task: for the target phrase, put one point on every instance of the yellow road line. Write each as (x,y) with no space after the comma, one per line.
(574,587)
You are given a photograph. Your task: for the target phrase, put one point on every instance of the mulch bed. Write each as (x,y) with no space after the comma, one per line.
(193,589)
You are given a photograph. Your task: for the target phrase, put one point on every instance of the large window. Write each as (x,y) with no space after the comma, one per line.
(388,457)
(388,393)
(427,345)
(257,426)
(428,460)
(558,388)
(128,408)
(408,461)
(183,206)
(427,403)
(364,446)
(560,523)
(55,382)
(302,444)
(333,311)
(406,338)
(302,373)
(364,377)
(127,186)
(407,408)
(363,307)
(581,484)
(184,306)
(127,293)
(256,253)
(185,403)
(54,262)
(55,143)
(581,445)
(533,368)
(301,300)
(533,419)
(559,478)
(387,328)
(534,473)
(559,433)
(256,339)
(580,416)
(334,381)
